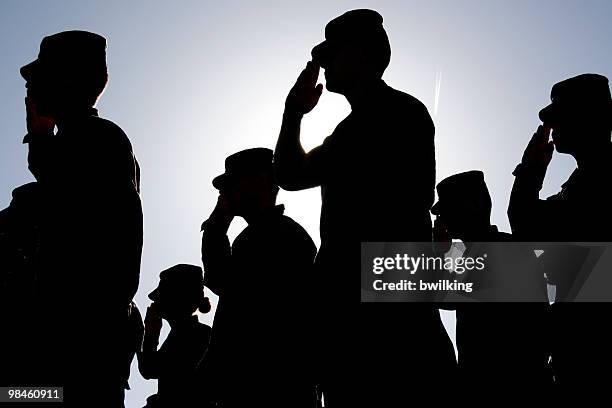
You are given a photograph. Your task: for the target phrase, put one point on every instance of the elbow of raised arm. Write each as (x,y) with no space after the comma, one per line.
(145,370)
(286,178)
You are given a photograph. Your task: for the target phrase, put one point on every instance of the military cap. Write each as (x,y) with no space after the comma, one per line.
(582,93)
(468,184)
(363,27)
(245,162)
(71,54)
(180,279)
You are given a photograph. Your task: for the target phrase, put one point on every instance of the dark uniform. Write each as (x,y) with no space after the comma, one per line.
(175,363)
(377,177)
(90,241)
(88,224)
(19,239)
(503,348)
(260,351)
(502,324)
(580,212)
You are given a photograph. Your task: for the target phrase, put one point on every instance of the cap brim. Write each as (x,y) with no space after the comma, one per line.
(154,296)
(547,113)
(27,70)
(320,53)
(435,210)
(220,181)
(224,180)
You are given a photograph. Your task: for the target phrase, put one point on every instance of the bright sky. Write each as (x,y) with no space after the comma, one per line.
(192,82)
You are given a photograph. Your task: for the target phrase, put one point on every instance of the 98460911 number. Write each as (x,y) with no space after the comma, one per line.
(31,394)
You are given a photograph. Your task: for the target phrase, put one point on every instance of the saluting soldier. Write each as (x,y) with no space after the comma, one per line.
(580,117)
(88,219)
(260,351)
(502,325)
(377,177)
(179,295)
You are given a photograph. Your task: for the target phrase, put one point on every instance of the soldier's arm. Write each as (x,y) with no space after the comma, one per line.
(295,169)
(529,216)
(403,153)
(41,150)
(109,164)
(422,167)
(149,363)
(216,255)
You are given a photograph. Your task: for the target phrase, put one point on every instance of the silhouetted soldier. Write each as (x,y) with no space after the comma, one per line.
(18,249)
(88,220)
(502,346)
(179,294)
(580,117)
(260,346)
(377,177)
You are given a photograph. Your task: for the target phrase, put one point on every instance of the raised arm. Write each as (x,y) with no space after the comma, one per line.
(148,357)
(216,250)
(528,214)
(293,167)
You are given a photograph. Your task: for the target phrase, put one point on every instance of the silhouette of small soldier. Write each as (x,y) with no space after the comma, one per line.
(580,117)
(260,345)
(502,348)
(377,176)
(179,294)
(87,219)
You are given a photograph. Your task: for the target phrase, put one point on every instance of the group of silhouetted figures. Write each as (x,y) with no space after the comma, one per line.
(288,330)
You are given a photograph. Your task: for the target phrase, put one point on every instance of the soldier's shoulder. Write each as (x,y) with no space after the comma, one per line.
(288,222)
(27,189)
(294,228)
(109,130)
(406,101)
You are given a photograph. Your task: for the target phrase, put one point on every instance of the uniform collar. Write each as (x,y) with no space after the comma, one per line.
(76,118)
(370,95)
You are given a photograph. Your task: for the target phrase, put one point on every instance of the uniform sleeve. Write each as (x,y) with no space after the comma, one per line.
(406,159)
(112,165)
(318,159)
(101,201)
(531,218)
(149,362)
(216,257)
(423,177)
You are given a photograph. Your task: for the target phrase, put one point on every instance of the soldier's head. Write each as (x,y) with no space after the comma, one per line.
(248,183)
(580,114)
(69,74)
(464,203)
(356,50)
(180,292)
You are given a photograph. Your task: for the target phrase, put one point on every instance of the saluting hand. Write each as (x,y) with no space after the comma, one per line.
(305,94)
(442,241)
(153,320)
(35,123)
(539,151)
(222,214)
